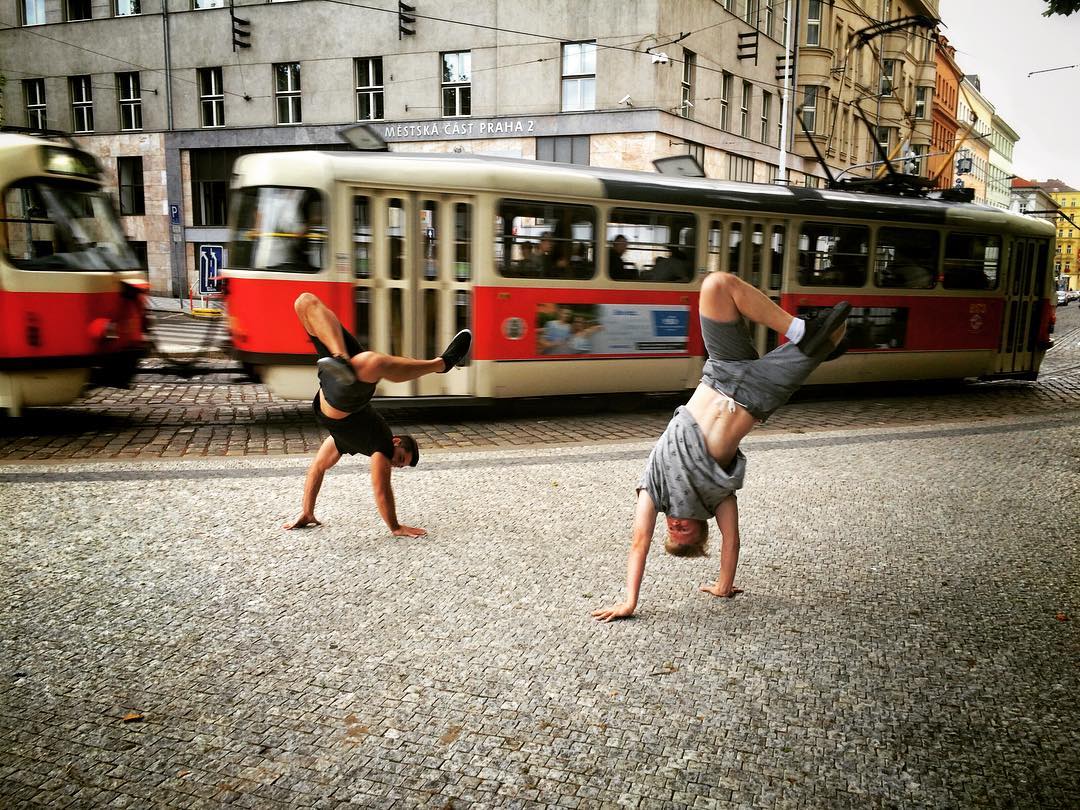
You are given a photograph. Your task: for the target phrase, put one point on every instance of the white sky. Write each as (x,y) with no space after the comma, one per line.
(1004,40)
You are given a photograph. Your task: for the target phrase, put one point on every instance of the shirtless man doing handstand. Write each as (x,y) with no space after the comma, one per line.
(696,466)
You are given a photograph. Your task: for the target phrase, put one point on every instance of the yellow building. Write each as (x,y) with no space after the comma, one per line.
(1067,256)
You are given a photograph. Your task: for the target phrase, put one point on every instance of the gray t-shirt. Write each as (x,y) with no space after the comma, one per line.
(682,479)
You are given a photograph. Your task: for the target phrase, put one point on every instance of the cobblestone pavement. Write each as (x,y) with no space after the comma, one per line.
(168,416)
(909,635)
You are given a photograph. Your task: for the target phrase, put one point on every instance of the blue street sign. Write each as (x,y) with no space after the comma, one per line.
(211,260)
(174,214)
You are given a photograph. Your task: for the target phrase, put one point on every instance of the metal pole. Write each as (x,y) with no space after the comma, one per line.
(168,64)
(785,102)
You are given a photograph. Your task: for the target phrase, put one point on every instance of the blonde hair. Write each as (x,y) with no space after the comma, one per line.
(696,549)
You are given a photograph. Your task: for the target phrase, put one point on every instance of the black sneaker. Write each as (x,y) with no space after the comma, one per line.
(819,329)
(456,351)
(337,371)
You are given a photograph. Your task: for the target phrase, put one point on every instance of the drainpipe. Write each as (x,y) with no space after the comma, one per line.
(168,64)
(785,102)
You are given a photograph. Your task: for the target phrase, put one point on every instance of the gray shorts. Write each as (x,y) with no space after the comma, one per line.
(759,384)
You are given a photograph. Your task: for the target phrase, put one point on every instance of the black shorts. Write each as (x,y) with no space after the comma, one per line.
(364,432)
(350,398)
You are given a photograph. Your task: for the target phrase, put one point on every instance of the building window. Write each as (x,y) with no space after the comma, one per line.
(130,95)
(917,161)
(369,89)
(564,149)
(768,26)
(697,152)
(578,76)
(210,185)
(287,93)
(128,8)
(211,97)
(141,256)
(888,67)
(809,108)
(34,95)
(82,104)
(75,10)
(457,83)
(689,68)
(751,11)
(129,173)
(200,4)
(744,110)
(883,139)
(725,96)
(921,94)
(813,23)
(33,12)
(740,169)
(766,111)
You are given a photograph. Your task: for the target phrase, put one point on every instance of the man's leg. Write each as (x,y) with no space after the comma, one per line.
(320,322)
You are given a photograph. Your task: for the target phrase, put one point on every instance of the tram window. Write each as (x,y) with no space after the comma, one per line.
(279,229)
(716,237)
(971,261)
(397,327)
(734,247)
(462,318)
(833,255)
(62,226)
(906,258)
(361,237)
(660,245)
(362,313)
(395,234)
(431,320)
(776,268)
(462,241)
(545,240)
(429,221)
(757,239)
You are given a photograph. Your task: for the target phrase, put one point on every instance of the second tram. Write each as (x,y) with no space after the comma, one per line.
(581,280)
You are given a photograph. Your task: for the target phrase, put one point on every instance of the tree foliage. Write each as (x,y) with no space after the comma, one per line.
(1062,7)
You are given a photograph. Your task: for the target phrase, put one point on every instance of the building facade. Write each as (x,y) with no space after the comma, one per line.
(945,123)
(1067,250)
(168,93)
(975,114)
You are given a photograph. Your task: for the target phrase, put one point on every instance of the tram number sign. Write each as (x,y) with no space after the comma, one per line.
(211,260)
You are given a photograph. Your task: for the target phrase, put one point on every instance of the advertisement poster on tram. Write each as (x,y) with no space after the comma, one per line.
(607,329)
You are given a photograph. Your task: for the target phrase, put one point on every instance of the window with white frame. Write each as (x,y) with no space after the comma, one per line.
(457,83)
(922,94)
(689,68)
(287,93)
(578,76)
(813,23)
(75,10)
(369,89)
(750,12)
(725,101)
(883,137)
(34,96)
(201,4)
(918,159)
(744,109)
(809,107)
(766,111)
(767,26)
(129,94)
(127,8)
(33,12)
(82,104)
(888,67)
(211,97)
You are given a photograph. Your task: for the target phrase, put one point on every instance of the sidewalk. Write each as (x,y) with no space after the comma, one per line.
(907,636)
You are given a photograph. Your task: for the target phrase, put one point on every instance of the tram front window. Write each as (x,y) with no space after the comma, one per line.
(50,225)
(278,229)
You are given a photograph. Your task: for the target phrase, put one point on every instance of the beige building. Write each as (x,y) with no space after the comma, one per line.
(169,101)
(1067,251)
(976,115)
(888,83)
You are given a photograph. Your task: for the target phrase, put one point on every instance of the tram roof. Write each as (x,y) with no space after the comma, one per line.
(503,174)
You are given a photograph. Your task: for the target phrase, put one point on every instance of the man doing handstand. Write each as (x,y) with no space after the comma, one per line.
(347,379)
(696,466)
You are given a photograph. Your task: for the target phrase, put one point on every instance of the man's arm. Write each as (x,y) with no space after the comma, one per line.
(384,497)
(644,525)
(727,518)
(325,458)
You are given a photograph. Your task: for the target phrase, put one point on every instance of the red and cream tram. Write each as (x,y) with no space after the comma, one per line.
(584,280)
(72,292)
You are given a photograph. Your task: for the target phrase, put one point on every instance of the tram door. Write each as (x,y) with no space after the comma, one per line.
(753,250)
(413,266)
(1022,284)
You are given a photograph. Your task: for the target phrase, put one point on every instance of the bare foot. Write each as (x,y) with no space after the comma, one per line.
(731,593)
